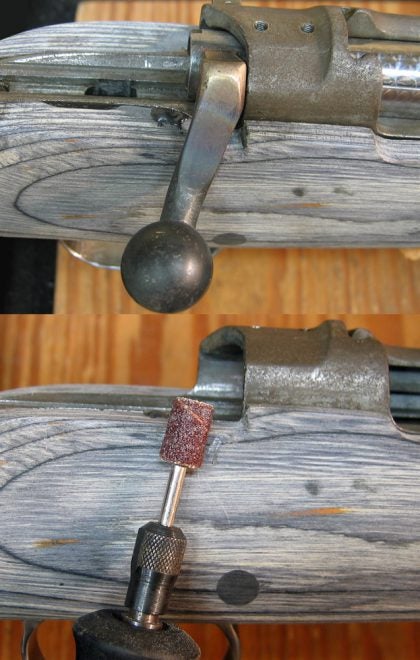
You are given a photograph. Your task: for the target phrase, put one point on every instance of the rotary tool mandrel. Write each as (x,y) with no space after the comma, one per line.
(137,631)
(160,546)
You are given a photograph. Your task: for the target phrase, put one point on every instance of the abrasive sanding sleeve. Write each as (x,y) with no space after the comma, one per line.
(186,433)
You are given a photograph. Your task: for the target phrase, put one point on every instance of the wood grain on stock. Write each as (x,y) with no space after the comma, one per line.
(287,280)
(322,508)
(138,350)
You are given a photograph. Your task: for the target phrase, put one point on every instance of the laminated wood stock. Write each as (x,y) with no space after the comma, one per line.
(320,509)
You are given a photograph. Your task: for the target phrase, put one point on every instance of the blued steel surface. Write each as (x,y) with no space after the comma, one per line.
(325,367)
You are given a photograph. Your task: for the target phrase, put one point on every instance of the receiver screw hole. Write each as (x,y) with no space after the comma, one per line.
(261,26)
(308,28)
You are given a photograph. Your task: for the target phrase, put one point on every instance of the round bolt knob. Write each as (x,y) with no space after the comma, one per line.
(167,266)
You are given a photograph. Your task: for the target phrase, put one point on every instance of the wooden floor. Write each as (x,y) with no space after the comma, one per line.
(271,281)
(351,641)
(156,350)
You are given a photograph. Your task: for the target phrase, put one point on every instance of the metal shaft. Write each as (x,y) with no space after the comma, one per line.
(220,102)
(172,495)
(400,62)
(401,85)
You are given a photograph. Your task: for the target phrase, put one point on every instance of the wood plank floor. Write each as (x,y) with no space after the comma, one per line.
(271,281)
